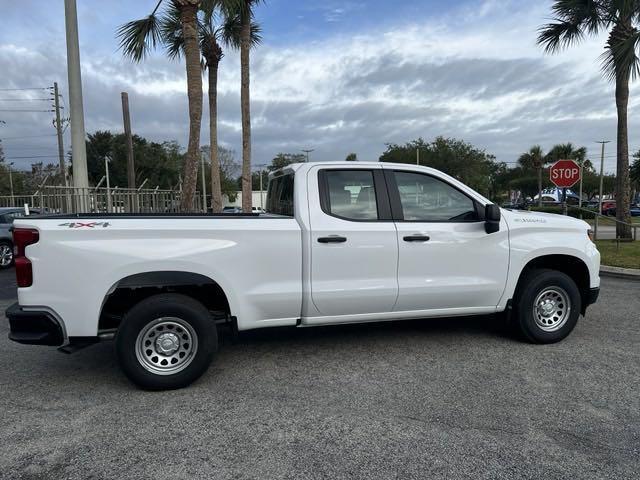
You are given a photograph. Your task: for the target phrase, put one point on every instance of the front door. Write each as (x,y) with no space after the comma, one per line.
(446,259)
(354,249)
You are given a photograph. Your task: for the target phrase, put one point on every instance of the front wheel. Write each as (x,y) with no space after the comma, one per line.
(166,342)
(547,306)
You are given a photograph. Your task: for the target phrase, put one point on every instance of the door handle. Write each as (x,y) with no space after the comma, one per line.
(416,238)
(332,239)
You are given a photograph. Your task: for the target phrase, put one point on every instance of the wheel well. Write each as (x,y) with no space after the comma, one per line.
(131,290)
(571,266)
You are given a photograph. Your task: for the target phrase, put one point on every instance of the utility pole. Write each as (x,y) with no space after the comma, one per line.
(78,146)
(261,201)
(580,198)
(603,143)
(58,125)
(131,169)
(307,152)
(11,181)
(417,156)
(106,173)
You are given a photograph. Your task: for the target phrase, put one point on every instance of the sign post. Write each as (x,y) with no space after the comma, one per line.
(564,174)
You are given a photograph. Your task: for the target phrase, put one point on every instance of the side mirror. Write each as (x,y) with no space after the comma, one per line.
(492,218)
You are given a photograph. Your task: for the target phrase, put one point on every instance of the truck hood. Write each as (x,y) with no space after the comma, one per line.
(520,219)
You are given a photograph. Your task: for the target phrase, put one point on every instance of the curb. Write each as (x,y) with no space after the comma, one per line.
(617,272)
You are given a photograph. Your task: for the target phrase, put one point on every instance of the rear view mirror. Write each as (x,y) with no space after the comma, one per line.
(492,218)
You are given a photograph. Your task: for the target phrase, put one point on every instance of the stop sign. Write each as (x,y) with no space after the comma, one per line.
(564,173)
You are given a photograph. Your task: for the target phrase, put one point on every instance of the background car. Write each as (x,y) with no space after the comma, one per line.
(611,211)
(7,215)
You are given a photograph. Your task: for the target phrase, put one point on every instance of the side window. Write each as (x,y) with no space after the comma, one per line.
(280,196)
(350,194)
(428,199)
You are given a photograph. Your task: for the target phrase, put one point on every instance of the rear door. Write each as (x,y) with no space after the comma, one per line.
(354,246)
(446,259)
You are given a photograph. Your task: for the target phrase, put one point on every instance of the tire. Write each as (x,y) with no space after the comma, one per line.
(166,342)
(6,254)
(558,303)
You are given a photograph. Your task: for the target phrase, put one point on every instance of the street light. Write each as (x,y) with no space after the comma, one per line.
(307,151)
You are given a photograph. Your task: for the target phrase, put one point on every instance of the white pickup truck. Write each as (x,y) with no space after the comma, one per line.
(340,243)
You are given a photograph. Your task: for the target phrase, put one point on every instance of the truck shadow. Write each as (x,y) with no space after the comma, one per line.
(96,366)
(492,326)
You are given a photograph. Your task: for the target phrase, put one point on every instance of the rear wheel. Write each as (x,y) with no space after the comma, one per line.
(166,341)
(6,254)
(548,305)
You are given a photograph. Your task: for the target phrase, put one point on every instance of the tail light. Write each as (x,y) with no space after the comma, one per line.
(23,237)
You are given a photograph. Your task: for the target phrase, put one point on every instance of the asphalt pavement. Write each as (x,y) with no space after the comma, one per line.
(7,284)
(450,398)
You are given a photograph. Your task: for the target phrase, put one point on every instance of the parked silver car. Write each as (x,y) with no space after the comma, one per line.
(7,215)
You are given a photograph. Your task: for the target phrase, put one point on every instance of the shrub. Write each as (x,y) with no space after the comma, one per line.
(572,211)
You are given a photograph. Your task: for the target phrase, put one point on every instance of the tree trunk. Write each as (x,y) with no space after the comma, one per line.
(216,189)
(245,45)
(622,174)
(540,186)
(188,19)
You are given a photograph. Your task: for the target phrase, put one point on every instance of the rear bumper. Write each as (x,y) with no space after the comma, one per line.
(34,327)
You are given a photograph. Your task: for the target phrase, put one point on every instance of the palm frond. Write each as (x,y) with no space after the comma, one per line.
(242,8)
(209,9)
(590,14)
(138,37)
(171,32)
(621,55)
(561,34)
(230,32)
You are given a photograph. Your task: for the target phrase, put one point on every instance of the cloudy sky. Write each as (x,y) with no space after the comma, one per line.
(338,76)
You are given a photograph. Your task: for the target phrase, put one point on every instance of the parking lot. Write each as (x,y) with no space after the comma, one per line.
(450,398)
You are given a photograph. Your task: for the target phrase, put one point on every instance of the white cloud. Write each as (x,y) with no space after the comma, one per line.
(474,73)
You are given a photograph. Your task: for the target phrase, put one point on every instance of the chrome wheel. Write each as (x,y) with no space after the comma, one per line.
(551,309)
(6,255)
(166,345)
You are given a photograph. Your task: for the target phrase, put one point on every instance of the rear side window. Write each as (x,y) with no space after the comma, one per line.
(280,196)
(351,194)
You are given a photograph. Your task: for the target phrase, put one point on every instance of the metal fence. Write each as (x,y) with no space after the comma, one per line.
(600,220)
(59,199)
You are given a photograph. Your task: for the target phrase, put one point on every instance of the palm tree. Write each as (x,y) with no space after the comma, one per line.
(534,158)
(573,19)
(208,34)
(139,37)
(239,35)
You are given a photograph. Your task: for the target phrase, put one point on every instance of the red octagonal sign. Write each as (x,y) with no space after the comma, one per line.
(564,173)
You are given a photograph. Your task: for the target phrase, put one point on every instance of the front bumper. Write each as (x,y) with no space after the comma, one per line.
(592,295)
(33,327)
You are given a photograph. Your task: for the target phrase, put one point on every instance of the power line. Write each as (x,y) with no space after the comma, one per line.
(33,156)
(25,99)
(23,89)
(27,111)
(28,136)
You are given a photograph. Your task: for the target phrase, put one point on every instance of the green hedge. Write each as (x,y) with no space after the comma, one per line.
(573,212)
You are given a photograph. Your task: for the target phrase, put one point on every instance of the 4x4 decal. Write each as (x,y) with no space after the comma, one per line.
(85,225)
